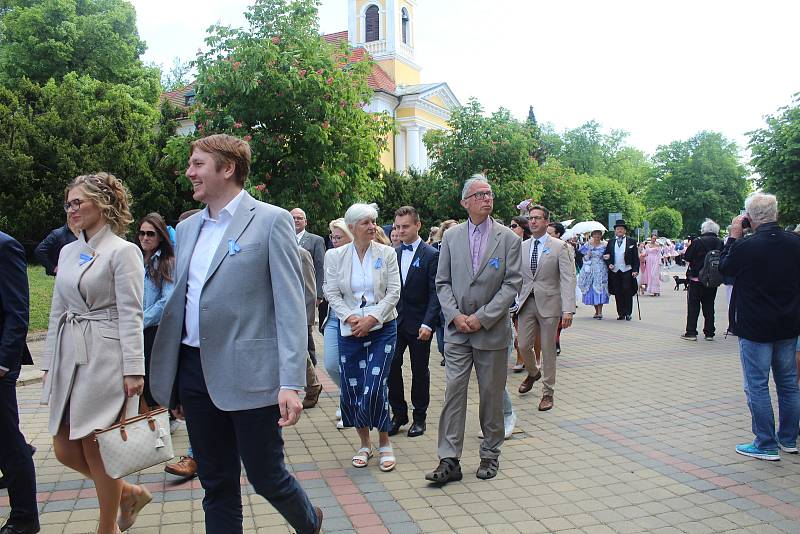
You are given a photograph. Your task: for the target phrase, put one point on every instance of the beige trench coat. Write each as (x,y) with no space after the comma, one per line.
(95,336)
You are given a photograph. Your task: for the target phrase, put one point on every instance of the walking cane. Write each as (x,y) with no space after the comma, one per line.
(638,307)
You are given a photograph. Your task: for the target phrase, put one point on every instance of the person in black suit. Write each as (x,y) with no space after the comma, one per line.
(418,314)
(315,245)
(622,258)
(15,454)
(47,251)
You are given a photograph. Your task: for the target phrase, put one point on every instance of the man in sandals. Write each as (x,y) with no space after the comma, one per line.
(478,278)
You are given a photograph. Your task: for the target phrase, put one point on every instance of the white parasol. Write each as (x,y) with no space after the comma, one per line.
(588,226)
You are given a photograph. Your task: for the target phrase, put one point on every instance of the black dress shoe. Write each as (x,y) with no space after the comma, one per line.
(21,527)
(417,429)
(627,317)
(396,423)
(621,317)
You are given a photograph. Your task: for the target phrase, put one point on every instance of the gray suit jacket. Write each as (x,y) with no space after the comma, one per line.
(309,284)
(315,245)
(553,287)
(488,293)
(252,327)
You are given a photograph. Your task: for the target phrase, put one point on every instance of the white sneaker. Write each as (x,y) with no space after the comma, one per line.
(339,424)
(509,423)
(339,414)
(174,425)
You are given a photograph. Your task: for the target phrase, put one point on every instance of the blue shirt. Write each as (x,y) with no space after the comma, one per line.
(155,298)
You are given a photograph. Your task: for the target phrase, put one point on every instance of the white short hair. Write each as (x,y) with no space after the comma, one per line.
(474,179)
(761,208)
(358,212)
(709,227)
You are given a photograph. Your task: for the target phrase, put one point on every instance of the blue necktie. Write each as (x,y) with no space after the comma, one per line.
(406,247)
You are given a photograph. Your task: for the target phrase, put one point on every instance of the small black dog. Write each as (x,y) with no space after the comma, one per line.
(679,281)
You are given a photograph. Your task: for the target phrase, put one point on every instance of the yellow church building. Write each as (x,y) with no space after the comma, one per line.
(384,30)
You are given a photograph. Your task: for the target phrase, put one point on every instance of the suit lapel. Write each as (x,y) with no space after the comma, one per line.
(526,259)
(491,246)
(244,214)
(346,268)
(411,268)
(186,248)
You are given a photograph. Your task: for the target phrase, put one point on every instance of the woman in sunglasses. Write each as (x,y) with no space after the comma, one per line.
(159,281)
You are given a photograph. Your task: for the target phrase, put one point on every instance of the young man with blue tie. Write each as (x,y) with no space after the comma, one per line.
(418,314)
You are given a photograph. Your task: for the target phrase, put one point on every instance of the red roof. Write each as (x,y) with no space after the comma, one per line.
(378,79)
(177,98)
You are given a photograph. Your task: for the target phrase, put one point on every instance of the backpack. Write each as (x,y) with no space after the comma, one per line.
(709,273)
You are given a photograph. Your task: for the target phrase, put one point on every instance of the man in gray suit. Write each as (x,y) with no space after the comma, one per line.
(315,245)
(478,278)
(228,355)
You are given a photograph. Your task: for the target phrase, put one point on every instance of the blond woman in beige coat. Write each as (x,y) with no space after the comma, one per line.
(93,355)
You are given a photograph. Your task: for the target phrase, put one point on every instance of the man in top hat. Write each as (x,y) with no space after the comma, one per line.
(622,258)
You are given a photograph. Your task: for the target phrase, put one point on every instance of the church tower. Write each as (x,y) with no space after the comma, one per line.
(385,28)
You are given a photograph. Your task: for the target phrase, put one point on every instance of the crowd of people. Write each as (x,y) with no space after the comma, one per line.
(205,319)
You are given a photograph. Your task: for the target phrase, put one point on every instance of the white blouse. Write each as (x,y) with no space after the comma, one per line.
(361,277)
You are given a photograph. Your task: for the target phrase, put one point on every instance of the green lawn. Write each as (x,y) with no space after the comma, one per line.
(41,287)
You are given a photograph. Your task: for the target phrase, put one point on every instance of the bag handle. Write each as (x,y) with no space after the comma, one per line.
(143,407)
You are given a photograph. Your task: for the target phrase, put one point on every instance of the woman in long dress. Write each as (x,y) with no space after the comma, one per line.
(593,279)
(652,253)
(94,357)
(643,279)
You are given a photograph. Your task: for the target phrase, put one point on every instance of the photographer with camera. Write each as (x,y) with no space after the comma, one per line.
(702,293)
(765,315)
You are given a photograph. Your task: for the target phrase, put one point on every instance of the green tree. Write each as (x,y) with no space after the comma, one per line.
(50,134)
(43,39)
(498,145)
(667,221)
(609,196)
(590,151)
(298,102)
(178,76)
(563,193)
(701,177)
(776,157)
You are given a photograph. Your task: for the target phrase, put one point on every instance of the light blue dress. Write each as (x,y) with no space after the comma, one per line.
(593,279)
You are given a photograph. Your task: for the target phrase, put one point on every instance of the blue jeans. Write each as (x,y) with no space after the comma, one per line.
(331,348)
(757,359)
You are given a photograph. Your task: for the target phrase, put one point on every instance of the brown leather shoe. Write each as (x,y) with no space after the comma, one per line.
(186,467)
(546,403)
(318,511)
(312,396)
(527,384)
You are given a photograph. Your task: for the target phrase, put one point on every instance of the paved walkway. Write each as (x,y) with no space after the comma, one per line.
(640,440)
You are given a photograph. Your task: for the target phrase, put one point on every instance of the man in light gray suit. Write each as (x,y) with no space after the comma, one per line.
(315,245)
(478,278)
(226,357)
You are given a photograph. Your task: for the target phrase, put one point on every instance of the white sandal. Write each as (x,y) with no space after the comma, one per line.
(387,459)
(361,459)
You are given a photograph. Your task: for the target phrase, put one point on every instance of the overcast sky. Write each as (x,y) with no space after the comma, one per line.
(662,70)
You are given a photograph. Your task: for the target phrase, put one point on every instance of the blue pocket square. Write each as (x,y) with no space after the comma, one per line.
(85,258)
(546,250)
(233,247)
(379,263)
(495,262)
(416,263)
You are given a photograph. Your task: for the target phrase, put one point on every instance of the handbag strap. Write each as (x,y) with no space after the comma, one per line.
(143,408)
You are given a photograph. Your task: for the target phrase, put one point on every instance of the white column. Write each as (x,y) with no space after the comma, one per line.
(412,142)
(423,152)
(400,150)
(391,26)
(352,23)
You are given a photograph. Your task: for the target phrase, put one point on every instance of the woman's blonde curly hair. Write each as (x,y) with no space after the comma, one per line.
(110,196)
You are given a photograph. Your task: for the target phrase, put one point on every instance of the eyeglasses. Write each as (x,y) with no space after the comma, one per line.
(73,205)
(147,233)
(513,225)
(335,237)
(481,195)
(536,218)
(299,218)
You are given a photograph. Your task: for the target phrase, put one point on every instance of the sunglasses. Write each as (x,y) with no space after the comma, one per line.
(513,225)
(146,233)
